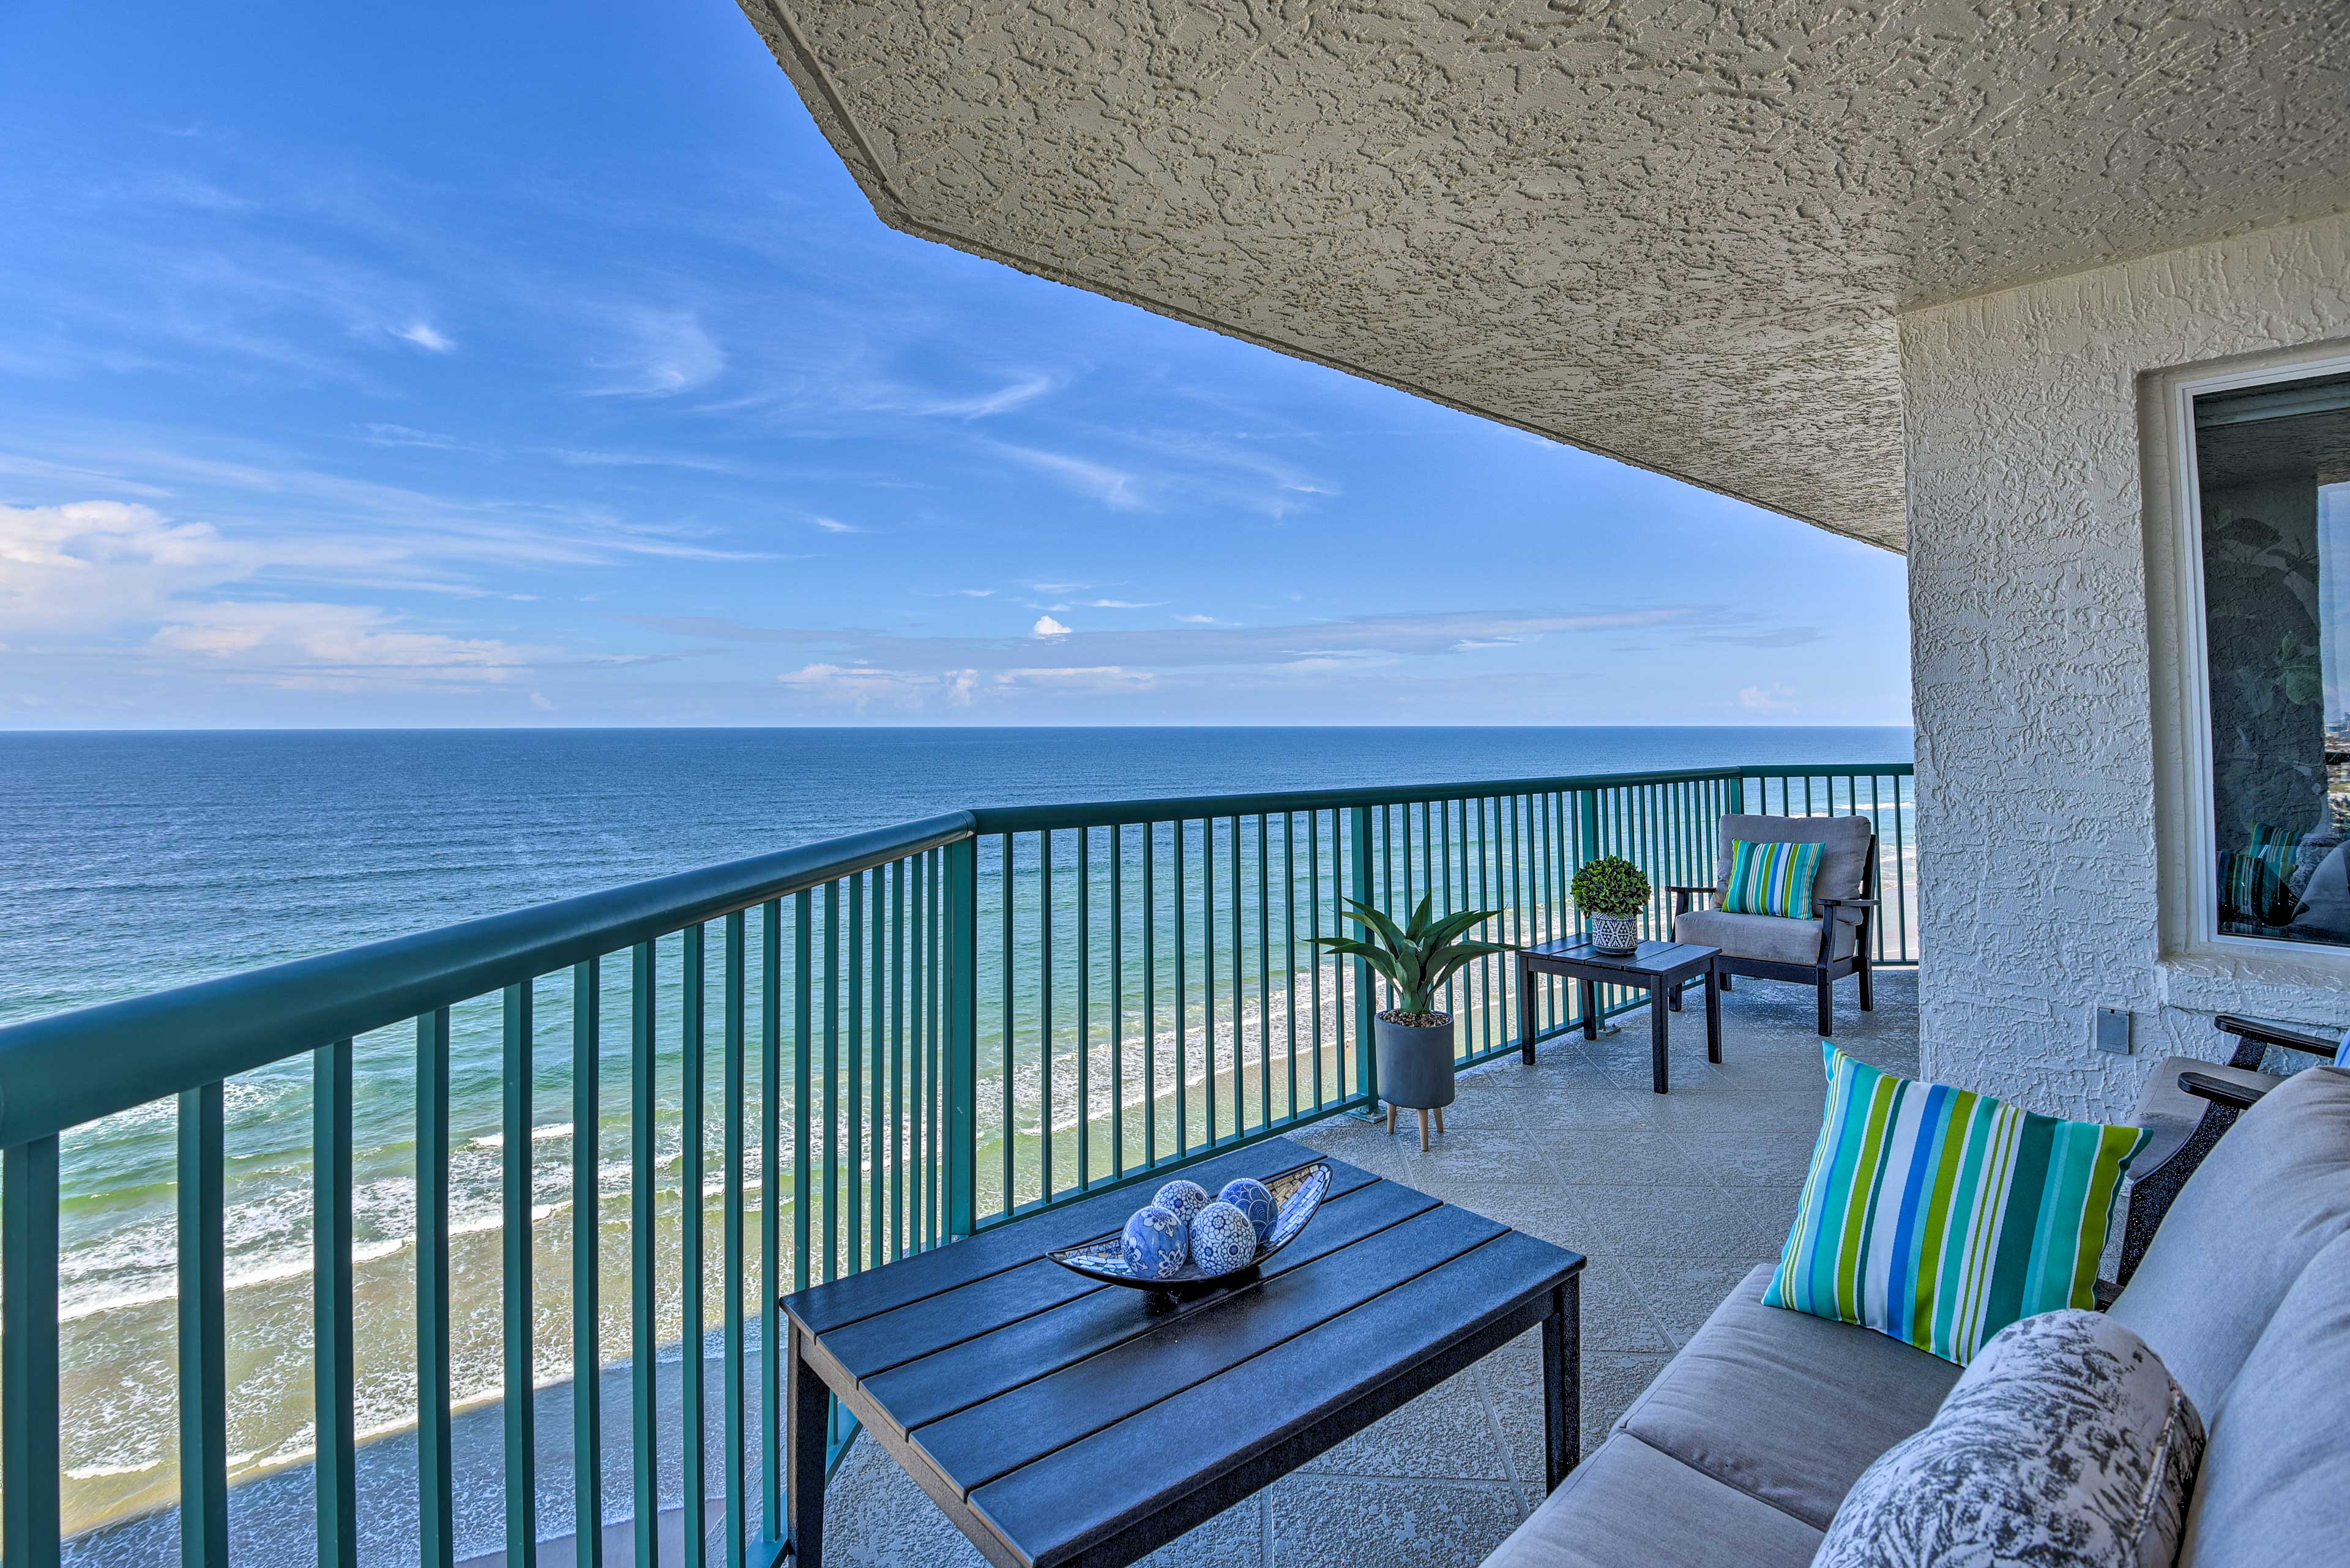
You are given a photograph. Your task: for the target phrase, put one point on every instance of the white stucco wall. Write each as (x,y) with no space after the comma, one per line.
(2037,732)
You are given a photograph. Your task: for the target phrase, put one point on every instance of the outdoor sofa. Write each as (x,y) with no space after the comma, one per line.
(1739,1451)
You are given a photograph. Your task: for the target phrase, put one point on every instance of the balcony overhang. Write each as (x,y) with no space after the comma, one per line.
(1678,235)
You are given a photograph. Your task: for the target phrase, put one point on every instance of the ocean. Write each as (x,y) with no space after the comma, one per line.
(135,862)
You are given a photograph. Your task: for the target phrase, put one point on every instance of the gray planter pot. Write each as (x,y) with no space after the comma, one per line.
(1615,933)
(1415,1063)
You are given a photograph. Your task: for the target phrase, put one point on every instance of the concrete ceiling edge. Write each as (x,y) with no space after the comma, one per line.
(776,29)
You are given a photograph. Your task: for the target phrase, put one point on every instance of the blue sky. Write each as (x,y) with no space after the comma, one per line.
(539,364)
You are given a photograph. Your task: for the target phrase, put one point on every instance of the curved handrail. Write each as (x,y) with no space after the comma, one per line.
(73,1067)
(1177,808)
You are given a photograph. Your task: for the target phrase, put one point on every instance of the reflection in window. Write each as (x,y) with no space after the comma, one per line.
(2273,480)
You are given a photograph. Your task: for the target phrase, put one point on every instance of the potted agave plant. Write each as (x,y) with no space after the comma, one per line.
(1612,893)
(1413,1040)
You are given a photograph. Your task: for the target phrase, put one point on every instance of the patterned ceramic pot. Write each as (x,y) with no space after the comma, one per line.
(1615,933)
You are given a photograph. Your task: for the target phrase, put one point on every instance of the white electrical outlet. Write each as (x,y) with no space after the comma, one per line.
(2110,1031)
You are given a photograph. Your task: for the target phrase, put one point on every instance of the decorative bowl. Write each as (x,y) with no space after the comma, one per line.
(1297,1193)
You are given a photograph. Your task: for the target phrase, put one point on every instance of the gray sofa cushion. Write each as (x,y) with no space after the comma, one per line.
(1843,841)
(2066,1444)
(2275,1486)
(1788,1407)
(1765,937)
(2269,1194)
(1628,1506)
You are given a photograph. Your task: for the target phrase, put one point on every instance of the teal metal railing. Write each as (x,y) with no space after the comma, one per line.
(916,1032)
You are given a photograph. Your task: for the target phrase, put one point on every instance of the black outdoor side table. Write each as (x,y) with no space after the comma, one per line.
(1661,968)
(1060,1421)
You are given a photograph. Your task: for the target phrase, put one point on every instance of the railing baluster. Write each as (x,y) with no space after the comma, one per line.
(1289,942)
(1151,994)
(333,1378)
(28,1354)
(771,1347)
(1208,966)
(833,1089)
(963,1037)
(435,1478)
(691,1047)
(203,1347)
(1264,972)
(1239,991)
(899,1118)
(1314,930)
(587,1315)
(878,1072)
(1009,1082)
(643,1331)
(1117,1002)
(854,1172)
(917,1124)
(1358,822)
(1044,1004)
(1085,1006)
(1183,1003)
(877,1110)
(517,1300)
(731,1265)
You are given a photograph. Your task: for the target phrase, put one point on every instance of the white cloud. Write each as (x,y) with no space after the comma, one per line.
(1197,619)
(407,435)
(538,701)
(1123,604)
(94,563)
(1091,677)
(1775,698)
(311,645)
(665,352)
(424,334)
(835,526)
(1110,486)
(973,593)
(1010,396)
(862,686)
(1048,627)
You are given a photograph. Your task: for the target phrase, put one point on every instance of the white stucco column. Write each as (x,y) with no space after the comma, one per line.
(2030,656)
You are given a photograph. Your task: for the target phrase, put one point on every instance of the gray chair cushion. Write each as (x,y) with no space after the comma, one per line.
(1765,937)
(2066,1444)
(1843,841)
(1787,1408)
(2171,1113)
(2275,1486)
(2269,1195)
(1628,1506)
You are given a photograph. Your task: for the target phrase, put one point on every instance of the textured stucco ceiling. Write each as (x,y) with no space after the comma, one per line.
(1675,233)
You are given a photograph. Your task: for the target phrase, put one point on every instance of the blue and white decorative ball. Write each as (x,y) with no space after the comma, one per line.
(1185,1198)
(1223,1238)
(1255,1199)
(1156,1243)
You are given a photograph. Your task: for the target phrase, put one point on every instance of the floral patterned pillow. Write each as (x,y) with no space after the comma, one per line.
(2066,1444)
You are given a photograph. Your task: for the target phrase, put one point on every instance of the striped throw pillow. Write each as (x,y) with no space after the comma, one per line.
(1770,879)
(1939,1217)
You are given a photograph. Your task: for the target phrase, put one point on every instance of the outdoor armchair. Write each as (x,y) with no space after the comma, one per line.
(1832,944)
(2188,1103)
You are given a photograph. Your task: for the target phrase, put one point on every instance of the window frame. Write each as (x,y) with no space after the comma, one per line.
(2186,819)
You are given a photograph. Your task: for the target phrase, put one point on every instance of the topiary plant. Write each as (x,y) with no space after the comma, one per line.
(1610,885)
(1418,957)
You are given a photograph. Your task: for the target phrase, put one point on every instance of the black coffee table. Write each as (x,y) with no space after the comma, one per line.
(1056,1420)
(1661,967)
